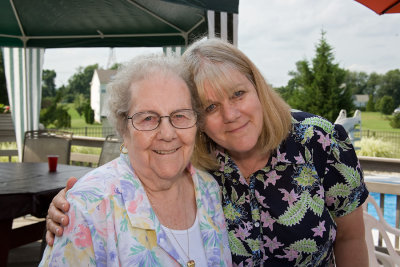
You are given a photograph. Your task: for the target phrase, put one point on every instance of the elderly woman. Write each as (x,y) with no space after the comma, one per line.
(149,207)
(291,183)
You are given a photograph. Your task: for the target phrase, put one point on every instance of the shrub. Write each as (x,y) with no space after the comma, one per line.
(374,147)
(395,120)
(56,115)
(89,114)
(386,105)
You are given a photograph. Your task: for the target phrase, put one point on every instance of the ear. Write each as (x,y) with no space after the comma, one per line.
(126,138)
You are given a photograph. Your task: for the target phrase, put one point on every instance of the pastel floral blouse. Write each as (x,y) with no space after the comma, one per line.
(285,215)
(113,224)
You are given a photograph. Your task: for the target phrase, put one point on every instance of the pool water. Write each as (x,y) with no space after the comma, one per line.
(389,208)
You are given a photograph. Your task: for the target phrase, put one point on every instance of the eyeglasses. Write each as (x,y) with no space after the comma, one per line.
(148,120)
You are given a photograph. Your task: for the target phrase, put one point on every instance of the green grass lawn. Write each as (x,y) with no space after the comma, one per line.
(78,121)
(376,121)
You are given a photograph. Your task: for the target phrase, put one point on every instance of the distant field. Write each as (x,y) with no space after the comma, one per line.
(375,121)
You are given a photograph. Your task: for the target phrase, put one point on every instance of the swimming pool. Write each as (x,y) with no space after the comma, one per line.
(389,208)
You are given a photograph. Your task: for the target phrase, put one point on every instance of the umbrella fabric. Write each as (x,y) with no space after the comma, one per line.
(105,23)
(100,23)
(382,6)
(23,69)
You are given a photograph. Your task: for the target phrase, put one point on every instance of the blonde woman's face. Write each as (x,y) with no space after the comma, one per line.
(162,153)
(234,121)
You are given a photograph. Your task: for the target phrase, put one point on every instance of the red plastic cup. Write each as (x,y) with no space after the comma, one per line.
(52,159)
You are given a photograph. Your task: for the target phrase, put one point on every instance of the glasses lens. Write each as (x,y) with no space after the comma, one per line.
(184,118)
(145,121)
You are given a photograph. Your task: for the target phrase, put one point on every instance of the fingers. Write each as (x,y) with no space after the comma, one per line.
(70,183)
(60,202)
(56,216)
(55,224)
(49,238)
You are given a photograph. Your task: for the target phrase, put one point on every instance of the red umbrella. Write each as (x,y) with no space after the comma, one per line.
(382,6)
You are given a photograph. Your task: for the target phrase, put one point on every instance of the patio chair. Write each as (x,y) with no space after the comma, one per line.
(110,149)
(38,144)
(378,258)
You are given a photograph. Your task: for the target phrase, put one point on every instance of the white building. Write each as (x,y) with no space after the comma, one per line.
(98,92)
(360,101)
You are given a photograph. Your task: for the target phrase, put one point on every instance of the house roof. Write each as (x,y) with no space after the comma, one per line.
(105,75)
(361,98)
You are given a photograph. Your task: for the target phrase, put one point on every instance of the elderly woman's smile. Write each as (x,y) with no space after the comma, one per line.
(166,152)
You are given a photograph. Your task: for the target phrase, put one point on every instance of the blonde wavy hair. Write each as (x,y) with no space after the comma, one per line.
(209,61)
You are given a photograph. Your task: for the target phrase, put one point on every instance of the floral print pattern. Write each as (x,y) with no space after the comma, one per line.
(113,224)
(285,215)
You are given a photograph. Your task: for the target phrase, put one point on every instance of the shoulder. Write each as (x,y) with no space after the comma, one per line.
(100,183)
(205,179)
(301,119)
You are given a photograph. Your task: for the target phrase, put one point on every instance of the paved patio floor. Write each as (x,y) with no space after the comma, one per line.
(27,255)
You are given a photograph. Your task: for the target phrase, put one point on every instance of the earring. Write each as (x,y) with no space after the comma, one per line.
(123,149)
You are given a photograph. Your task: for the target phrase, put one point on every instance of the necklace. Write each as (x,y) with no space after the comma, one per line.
(189,263)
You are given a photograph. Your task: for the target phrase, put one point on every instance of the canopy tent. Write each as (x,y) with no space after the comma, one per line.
(30,26)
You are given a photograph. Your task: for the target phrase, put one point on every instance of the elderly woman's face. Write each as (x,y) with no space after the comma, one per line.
(165,151)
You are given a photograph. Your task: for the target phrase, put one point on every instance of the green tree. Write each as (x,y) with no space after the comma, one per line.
(79,83)
(356,82)
(390,86)
(80,103)
(320,87)
(116,66)
(48,83)
(3,85)
(89,114)
(395,121)
(386,105)
(370,104)
(56,113)
(373,84)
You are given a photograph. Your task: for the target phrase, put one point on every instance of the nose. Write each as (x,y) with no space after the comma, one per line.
(230,112)
(166,131)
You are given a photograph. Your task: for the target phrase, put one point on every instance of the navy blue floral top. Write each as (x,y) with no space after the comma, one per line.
(285,215)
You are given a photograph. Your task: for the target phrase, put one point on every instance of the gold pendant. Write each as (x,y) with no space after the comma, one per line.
(190,263)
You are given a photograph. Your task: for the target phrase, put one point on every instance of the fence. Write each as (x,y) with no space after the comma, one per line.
(92,131)
(392,137)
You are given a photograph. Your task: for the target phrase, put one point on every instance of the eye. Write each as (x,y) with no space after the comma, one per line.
(211,108)
(145,118)
(149,118)
(238,94)
(179,117)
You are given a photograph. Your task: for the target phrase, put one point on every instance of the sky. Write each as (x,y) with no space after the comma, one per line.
(275,34)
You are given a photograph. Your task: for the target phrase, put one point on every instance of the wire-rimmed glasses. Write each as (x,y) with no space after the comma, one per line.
(149,120)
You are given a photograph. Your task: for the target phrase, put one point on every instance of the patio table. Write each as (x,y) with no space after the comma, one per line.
(28,188)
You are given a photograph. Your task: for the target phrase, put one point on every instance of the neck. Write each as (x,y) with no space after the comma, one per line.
(250,162)
(153,183)
(174,206)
